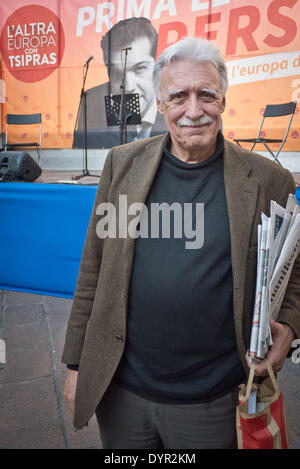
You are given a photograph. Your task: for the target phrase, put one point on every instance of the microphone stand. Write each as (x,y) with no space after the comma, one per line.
(123,117)
(83,95)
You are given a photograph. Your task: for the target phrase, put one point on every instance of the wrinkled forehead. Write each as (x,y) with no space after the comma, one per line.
(183,73)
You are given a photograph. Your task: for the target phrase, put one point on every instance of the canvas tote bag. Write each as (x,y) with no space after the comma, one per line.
(266,428)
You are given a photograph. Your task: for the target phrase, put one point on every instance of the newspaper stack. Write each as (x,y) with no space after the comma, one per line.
(278,247)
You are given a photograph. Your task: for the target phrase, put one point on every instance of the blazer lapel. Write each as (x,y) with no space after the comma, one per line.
(143,171)
(241,193)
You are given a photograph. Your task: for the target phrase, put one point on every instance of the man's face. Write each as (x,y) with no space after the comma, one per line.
(191,102)
(138,72)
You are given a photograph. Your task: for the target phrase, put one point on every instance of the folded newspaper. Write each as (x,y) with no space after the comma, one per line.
(277,248)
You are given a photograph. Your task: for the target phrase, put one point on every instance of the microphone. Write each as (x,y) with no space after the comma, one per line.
(89,59)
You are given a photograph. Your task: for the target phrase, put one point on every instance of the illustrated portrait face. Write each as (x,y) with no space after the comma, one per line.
(139,70)
(140,36)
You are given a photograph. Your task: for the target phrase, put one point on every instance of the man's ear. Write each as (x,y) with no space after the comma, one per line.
(223,104)
(159,106)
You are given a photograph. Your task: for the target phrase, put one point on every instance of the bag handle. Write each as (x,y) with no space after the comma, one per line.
(251,377)
(250,380)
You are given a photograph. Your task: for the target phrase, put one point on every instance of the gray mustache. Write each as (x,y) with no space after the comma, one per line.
(184,121)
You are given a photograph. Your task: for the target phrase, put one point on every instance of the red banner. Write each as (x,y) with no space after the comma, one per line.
(45,44)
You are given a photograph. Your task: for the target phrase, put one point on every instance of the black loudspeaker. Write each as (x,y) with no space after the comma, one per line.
(18,166)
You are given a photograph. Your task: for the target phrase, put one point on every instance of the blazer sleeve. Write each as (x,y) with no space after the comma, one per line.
(290,308)
(88,276)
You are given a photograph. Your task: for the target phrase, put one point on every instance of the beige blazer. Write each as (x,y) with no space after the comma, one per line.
(96,330)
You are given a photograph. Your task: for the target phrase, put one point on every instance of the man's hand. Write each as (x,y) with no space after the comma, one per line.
(70,389)
(283,337)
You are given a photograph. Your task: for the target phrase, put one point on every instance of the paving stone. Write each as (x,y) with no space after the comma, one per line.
(33,336)
(24,365)
(17,315)
(58,365)
(57,321)
(27,403)
(57,302)
(21,298)
(41,436)
(288,380)
(294,439)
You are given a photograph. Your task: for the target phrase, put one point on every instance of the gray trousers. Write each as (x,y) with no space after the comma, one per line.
(128,421)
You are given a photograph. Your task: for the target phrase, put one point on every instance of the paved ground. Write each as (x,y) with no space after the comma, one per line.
(33,413)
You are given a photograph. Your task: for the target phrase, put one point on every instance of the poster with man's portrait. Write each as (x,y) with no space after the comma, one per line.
(129,51)
(48,46)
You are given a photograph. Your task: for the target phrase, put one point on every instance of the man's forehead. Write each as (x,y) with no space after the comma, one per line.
(183,67)
(183,74)
(140,52)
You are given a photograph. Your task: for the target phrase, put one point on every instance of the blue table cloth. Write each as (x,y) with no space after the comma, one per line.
(42,232)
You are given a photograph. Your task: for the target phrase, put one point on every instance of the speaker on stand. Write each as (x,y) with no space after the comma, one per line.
(18,166)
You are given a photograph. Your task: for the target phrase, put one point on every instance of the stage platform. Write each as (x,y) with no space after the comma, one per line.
(65,177)
(51,177)
(73,159)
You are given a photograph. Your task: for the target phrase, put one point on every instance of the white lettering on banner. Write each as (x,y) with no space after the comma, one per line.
(33,42)
(86,16)
(120,10)
(104,18)
(106,10)
(30,29)
(204,5)
(26,39)
(134,11)
(32,60)
(264,67)
(165,5)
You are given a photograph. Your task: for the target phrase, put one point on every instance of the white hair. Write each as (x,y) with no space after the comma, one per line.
(191,48)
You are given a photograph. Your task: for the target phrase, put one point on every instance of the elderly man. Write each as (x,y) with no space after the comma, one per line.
(159,327)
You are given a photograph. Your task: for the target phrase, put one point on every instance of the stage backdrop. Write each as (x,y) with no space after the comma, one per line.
(45,44)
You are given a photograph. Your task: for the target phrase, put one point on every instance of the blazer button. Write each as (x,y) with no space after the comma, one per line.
(119,337)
